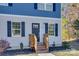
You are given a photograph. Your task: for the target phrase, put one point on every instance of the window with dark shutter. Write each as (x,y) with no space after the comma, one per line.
(54,6)
(46,27)
(10,4)
(23,29)
(56,29)
(16,29)
(51,29)
(9,28)
(35,5)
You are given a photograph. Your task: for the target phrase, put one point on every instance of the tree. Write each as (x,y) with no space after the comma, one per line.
(65,34)
(70,12)
(76,27)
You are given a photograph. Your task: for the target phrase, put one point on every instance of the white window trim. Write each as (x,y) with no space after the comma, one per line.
(15,29)
(45,7)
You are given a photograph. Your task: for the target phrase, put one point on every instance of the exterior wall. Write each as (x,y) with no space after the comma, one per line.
(15,41)
(28,9)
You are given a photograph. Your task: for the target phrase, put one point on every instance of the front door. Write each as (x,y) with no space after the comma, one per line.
(36,30)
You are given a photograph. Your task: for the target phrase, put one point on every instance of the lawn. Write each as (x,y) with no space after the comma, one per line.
(55,53)
(66,53)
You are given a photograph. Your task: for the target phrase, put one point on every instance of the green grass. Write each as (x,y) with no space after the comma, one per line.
(66,53)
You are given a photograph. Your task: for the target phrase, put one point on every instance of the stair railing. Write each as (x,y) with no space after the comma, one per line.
(45,41)
(33,42)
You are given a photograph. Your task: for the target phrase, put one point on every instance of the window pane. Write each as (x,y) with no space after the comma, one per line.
(49,7)
(16,25)
(16,32)
(35,26)
(41,6)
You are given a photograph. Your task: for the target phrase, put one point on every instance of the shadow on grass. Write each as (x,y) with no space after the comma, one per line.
(66,45)
(70,45)
(74,44)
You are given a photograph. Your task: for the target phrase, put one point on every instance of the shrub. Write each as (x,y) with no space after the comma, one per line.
(21,46)
(4,45)
(66,45)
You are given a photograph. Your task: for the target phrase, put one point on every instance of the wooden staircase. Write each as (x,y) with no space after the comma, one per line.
(38,47)
(41,48)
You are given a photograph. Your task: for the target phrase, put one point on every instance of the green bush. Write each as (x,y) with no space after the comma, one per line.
(21,46)
(66,45)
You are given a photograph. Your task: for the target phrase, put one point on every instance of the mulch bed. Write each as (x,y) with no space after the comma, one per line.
(16,52)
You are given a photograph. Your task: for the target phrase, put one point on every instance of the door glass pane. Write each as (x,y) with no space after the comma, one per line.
(35,26)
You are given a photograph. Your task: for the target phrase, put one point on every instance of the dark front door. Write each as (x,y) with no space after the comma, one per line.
(36,30)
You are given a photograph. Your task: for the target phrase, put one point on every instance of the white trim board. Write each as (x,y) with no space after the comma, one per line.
(29,16)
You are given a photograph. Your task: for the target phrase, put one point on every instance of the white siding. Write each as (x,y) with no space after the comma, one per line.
(15,41)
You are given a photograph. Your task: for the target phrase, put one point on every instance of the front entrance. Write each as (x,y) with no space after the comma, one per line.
(36,30)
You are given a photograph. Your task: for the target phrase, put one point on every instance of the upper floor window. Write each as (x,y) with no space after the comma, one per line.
(6,4)
(45,6)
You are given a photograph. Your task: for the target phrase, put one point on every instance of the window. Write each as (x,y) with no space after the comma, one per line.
(6,4)
(35,26)
(49,7)
(41,6)
(45,6)
(16,29)
(51,29)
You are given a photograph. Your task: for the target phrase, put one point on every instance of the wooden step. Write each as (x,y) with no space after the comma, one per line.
(42,51)
(41,48)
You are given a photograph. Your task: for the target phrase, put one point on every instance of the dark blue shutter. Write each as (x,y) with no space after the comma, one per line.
(23,29)
(46,27)
(9,28)
(54,6)
(35,5)
(56,29)
(10,4)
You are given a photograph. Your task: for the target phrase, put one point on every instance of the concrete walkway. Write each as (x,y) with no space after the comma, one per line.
(37,54)
(46,54)
(74,45)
